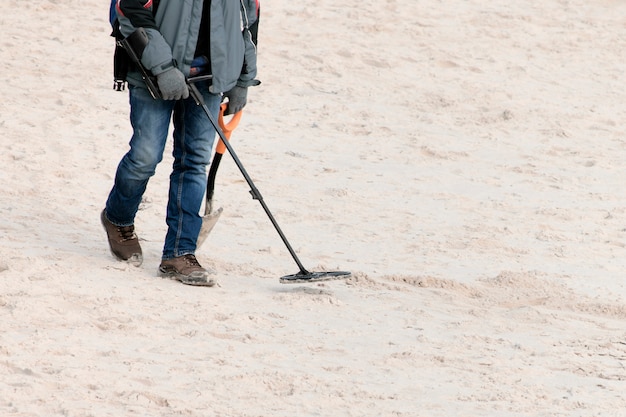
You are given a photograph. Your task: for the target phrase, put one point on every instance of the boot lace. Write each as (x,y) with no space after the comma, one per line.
(127,233)
(192,261)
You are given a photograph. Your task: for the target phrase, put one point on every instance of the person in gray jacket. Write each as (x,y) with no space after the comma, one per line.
(216,37)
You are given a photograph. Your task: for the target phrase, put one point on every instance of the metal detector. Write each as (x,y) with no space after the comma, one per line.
(303,275)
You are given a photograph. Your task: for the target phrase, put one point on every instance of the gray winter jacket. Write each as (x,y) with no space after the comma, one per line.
(173,33)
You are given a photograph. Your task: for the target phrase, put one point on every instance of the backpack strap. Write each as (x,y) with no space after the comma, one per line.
(122,63)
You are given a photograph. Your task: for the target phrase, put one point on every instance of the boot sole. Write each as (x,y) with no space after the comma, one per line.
(135,260)
(196,282)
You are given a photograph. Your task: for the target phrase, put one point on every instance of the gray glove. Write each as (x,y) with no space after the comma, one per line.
(237,98)
(172,84)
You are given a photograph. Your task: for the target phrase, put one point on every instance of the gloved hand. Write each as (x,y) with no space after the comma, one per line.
(237,98)
(172,84)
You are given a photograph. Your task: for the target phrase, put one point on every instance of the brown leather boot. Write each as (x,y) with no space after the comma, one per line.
(187,270)
(123,241)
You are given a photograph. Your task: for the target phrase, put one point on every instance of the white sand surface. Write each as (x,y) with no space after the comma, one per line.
(464,160)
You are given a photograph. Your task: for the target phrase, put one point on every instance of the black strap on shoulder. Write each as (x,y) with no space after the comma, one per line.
(121,61)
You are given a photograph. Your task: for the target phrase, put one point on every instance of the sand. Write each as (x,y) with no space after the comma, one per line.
(464,160)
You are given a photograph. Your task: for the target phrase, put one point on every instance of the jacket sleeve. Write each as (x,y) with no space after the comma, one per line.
(133,14)
(251,13)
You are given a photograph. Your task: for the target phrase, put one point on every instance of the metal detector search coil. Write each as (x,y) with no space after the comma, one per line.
(300,278)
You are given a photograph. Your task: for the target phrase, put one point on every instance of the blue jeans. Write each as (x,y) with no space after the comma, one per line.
(193,143)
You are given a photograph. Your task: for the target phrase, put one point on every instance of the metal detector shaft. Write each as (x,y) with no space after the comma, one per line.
(256,194)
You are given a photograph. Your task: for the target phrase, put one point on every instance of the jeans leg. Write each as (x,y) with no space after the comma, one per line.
(193,144)
(150,120)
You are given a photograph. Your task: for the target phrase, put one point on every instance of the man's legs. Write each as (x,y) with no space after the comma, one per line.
(150,120)
(193,143)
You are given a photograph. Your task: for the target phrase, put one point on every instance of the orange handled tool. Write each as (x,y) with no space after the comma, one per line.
(210,216)
(227,128)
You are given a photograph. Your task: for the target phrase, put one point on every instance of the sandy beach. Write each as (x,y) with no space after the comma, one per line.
(464,160)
